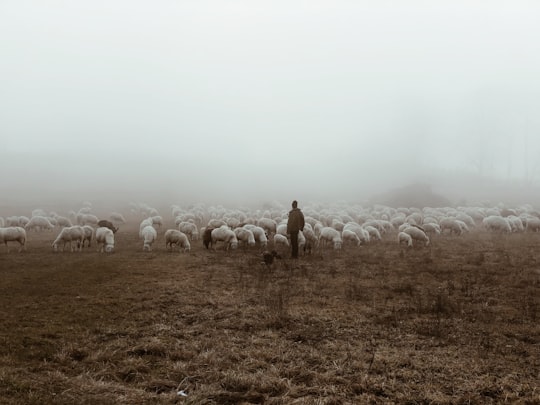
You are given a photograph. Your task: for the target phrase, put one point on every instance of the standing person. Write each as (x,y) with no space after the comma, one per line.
(295,224)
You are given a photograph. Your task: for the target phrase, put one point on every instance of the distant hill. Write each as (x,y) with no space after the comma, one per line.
(414,195)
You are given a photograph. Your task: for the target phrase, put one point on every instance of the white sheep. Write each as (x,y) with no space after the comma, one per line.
(88,219)
(373,232)
(417,234)
(105,238)
(245,235)
(281,240)
(88,233)
(404,238)
(532,224)
(117,218)
(149,236)
(69,235)
(496,223)
(157,220)
(144,223)
(178,238)
(349,236)
(268,224)
(431,228)
(329,234)
(190,229)
(13,234)
(63,222)
(226,235)
(258,233)
(39,223)
(359,230)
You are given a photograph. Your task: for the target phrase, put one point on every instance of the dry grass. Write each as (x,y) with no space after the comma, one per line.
(455,323)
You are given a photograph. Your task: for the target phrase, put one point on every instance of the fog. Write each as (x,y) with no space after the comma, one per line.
(243,101)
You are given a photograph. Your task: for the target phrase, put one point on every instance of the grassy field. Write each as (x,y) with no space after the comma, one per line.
(454,323)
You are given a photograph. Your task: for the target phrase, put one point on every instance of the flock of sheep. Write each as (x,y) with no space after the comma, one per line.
(326,227)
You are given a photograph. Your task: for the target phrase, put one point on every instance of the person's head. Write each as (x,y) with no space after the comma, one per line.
(295,204)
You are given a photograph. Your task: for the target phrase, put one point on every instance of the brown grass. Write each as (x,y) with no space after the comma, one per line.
(454,323)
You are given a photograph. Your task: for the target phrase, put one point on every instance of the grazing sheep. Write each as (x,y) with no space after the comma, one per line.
(69,235)
(268,224)
(281,240)
(496,223)
(117,217)
(225,235)
(88,219)
(207,236)
(157,220)
(532,224)
(190,229)
(39,223)
(329,234)
(349,236)
(417,234)
(175,237)
(451,225)
(63,222)
(216,223)
(259,234)
(404,238)
(431,228)
(107,224)
(245,235)
(144,223)
(149,236)
(88,233)
(13,234)
(105,238)
(373,232)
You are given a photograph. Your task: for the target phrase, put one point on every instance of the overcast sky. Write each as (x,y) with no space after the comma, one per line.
(299,98)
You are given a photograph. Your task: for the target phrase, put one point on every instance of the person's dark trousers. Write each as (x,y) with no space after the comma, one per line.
(294,244)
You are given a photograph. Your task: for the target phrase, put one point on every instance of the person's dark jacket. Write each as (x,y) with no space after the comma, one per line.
(296,221)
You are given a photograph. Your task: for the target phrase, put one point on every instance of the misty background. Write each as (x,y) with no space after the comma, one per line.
(187,101)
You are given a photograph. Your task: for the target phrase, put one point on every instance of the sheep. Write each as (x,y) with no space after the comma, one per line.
(157,220)
(226,235)
(190,229)
(39,223)
(63,222)
(451,225)
(312,241)
(12,221)
(532,224)
(349,236)
(69,235)
(329,234)
(405,238)
(373,232)
(359,230)
(88,233)
(144,223)
(417,234)
(281,240)
(216,223)
(178,238)
(88,219)
(245,235)
(431,228)
(13,234)
(117,217)
(496,223)
(107,224)
(149,236)
(268,224)
(105,238)
(207,236)
(258,233)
